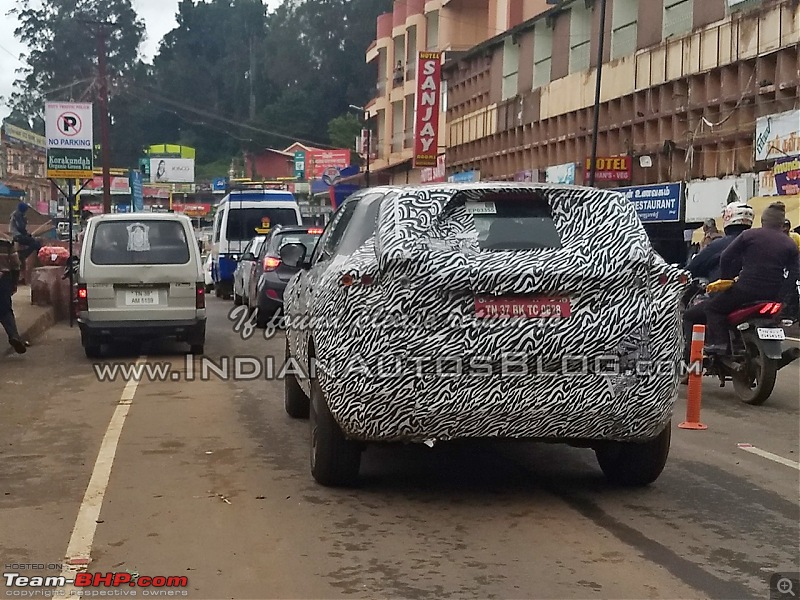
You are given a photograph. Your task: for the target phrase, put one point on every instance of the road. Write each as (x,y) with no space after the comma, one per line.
(210,480)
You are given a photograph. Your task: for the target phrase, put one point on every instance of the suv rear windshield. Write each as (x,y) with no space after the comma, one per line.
(245,223)
(145,242)
(309,240)
(513,222)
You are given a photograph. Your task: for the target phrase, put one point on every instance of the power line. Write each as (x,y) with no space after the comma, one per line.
(152,96)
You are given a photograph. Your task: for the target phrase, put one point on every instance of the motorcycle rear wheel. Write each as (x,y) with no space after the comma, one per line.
(754,386)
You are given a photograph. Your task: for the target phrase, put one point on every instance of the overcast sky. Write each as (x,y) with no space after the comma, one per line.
(158,16)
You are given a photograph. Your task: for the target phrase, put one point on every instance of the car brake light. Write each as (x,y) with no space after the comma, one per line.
(200,296)
(271,263)
(348,280)
(315,231)
(82,298)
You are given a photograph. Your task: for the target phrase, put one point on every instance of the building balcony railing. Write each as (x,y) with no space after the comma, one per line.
(399,78)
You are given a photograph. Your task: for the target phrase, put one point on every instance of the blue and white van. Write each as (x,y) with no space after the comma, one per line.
(241,216)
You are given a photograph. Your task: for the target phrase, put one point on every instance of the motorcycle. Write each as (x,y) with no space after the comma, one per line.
(754,354)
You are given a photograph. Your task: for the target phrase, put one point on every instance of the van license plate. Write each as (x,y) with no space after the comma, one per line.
(141,297)
(772,333)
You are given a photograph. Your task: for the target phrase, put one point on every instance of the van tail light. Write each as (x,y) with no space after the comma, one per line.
(200,296)
(81,298)
(271,263)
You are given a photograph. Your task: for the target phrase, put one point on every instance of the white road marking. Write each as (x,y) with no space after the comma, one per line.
(769,455)
(80,544)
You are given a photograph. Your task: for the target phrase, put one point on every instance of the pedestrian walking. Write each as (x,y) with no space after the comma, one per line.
(18,228)
(9,278)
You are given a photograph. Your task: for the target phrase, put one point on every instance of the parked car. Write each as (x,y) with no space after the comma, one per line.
(244,270)
(270,274)
(140,277)
(431,313)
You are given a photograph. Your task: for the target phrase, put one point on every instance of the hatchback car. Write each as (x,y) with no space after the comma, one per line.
(245,268)
(270,274)
(140,277)
(495,310)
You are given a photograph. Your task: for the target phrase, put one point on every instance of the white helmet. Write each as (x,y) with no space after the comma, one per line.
(738,213)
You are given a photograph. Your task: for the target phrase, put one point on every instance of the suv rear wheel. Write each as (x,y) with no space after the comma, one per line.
(295,401)
(635,464)
(335,460)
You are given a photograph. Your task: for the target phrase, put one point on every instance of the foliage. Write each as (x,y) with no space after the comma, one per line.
(229,77)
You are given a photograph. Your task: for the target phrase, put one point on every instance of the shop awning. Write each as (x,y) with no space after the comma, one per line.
(9,192)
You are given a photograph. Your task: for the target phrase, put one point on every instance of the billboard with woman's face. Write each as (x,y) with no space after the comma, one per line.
(172,170)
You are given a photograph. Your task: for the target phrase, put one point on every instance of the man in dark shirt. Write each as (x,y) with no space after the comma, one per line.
(760,259)
(737,218)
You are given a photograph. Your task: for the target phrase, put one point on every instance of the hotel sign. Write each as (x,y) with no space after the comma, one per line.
(616,168)
(429,90)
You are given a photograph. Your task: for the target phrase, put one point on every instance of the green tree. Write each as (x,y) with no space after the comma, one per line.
(61,63)
(344,130)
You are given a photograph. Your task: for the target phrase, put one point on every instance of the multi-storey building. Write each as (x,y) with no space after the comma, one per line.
(23,166)
(693,91)
(412,27)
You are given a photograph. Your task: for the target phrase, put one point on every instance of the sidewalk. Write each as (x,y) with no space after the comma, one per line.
(32,321)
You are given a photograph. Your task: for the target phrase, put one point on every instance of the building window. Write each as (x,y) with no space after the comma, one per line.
(742,5)
(510,69)
(411,53)
(542,54)
(580,37)
(624,28)
(678,17)
(432,19)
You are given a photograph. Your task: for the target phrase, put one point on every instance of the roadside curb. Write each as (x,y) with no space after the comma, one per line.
(42,323)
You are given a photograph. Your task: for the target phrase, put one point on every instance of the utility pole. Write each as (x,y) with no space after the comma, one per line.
(600,57)
(105,134)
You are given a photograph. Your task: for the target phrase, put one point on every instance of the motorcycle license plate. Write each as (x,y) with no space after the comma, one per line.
(765,333)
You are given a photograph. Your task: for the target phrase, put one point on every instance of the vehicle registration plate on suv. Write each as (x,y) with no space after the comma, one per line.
(488,307)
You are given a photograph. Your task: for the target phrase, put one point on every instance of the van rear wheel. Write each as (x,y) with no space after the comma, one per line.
(197,349)
(92,350)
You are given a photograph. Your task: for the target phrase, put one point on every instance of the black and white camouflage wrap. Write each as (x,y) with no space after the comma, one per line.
(607,372)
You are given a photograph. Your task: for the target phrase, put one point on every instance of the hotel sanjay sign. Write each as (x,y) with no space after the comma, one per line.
(429,89)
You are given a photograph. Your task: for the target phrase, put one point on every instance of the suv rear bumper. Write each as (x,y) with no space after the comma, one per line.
(191,331)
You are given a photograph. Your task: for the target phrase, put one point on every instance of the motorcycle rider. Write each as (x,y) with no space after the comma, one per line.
(758,260)
(737,218)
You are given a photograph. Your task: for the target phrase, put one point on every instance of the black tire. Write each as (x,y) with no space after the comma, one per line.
(209,288)
(237,300)
(295,401)
(755,385)
(197,349)
(93,350)
(335,460)
(634,464)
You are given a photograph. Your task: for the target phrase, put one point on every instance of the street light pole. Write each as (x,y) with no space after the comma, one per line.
(365,117)
(600,57)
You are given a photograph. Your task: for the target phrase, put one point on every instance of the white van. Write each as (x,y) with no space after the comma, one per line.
(140,277)
(240,217)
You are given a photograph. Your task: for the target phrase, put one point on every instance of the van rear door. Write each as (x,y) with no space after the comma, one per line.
(142,270)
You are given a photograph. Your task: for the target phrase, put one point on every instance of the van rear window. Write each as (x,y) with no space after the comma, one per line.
(246,223)
(145,242)
(513,222)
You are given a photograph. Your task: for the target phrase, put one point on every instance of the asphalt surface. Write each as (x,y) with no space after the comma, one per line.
(211,481)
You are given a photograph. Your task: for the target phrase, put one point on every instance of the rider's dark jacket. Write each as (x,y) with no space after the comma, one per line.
(760,258)
(706,263)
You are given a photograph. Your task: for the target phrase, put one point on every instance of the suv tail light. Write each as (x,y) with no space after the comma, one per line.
(200,296)
(271,263)
(773,308)
(81,298)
